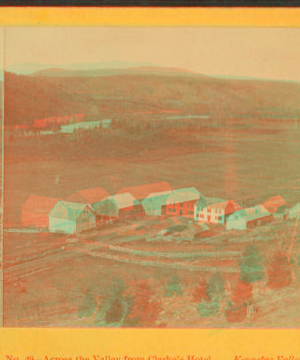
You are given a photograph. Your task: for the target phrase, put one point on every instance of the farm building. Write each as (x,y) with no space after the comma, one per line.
(35,211)
(248,218)
(87,125)
(70,217)
(92,197)
(181,202)
(275,204)
(203,202)
(216,213)
(142,191)
(42,123)
(294,212)
(119,206)
(155,203)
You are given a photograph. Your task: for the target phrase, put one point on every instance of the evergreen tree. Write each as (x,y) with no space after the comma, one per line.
(145,309)
(241,296)
(88,306)
(201,292)
(251,266)
(279,271)
(117,288)
(174,287)
(115,304)
(115,312)
(216,286)
(242,293)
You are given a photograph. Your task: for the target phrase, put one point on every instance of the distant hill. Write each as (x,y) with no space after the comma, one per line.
(28,68)
(146,70)
(27,98)
(123,95)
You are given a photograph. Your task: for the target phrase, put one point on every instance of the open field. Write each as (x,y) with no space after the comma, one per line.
(252,169)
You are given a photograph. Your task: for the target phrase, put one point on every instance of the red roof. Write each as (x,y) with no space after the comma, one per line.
(142,191)
(229,206)
(276,201)
(39,204)
(89,196)
(57,119)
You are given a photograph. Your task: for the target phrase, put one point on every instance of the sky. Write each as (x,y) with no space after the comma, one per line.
(269,53)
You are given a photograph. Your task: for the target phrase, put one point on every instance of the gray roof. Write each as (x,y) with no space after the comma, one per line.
(249,214)
(73,210)
(296,207)
(123,201)
(183,195)
(213,200)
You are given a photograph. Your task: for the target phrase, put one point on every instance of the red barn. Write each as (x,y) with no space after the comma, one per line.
(89,196)
(66,119)
(275,204)
(35,211)
(142,191)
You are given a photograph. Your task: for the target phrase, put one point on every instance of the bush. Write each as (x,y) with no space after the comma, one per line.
(174,287)
(201,292)
(208,309)
(176,228)
(251,266)
(236,314)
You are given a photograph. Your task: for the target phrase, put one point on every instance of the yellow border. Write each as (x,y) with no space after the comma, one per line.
(216,344)
(219,344)
(259,17)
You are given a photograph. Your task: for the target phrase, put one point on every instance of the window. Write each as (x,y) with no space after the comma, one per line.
(208,210)
(181,204)
(169,209)
(202,216)
(220,218)
(173,210)
(216,217)
(191,212)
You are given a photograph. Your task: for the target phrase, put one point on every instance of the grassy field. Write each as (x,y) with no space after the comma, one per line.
(49,281)
(229,164)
